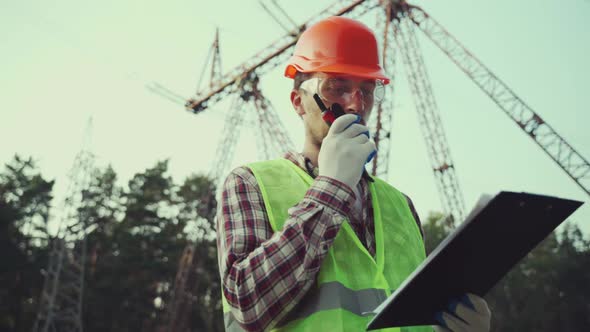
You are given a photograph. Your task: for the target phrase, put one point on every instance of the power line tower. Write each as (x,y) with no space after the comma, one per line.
(60,304)
(397,22)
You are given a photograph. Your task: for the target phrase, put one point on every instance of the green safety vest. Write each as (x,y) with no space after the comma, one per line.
(350,282)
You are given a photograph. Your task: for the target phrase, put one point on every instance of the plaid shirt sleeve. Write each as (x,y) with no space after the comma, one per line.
(264,273)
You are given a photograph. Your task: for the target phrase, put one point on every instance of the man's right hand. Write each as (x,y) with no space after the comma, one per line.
(345,150)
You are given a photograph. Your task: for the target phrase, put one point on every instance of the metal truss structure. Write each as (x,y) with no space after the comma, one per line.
(60,304)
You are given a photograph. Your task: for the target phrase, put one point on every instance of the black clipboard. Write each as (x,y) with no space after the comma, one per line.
(499,232)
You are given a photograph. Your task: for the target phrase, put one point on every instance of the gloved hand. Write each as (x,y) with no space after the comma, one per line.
(345,150)
(471,313)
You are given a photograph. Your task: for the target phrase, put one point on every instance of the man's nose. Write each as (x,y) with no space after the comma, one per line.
(356,104)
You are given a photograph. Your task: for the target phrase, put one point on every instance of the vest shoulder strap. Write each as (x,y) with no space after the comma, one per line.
(282,185)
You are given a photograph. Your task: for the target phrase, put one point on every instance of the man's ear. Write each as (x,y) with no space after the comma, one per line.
(297,102)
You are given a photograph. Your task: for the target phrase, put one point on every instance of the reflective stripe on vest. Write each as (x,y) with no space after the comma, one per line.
(331,295)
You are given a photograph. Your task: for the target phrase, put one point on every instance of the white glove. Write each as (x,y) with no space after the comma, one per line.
(345,150)
(471,314)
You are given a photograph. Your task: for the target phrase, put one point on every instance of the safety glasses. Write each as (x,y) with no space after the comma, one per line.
(343,89)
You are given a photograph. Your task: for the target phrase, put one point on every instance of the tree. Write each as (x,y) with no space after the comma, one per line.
(137,237)
(102,208)
(25,200)
(199,207)
(138,255)
(435,229)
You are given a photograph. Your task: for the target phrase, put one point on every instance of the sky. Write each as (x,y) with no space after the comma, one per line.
(63,62)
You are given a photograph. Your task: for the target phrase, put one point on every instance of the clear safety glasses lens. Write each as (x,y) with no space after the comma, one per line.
(342,90)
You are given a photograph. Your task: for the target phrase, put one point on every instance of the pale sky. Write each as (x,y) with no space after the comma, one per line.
(64,61)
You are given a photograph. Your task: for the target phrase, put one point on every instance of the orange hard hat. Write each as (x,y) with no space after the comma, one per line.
(337,45)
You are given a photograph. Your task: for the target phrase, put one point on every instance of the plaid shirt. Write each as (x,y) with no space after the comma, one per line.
(266,273)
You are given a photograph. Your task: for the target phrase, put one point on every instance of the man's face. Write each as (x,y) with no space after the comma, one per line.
(355,95)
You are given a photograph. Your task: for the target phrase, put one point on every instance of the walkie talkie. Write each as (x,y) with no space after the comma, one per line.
(330,114)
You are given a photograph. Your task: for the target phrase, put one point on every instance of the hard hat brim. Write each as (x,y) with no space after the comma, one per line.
(345,69)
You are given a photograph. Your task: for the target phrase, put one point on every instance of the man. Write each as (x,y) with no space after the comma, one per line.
(309,242)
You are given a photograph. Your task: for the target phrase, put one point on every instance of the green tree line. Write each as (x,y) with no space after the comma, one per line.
(137,233)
